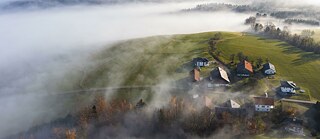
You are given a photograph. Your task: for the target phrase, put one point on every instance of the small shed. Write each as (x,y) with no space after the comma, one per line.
(288,87)
(269,69)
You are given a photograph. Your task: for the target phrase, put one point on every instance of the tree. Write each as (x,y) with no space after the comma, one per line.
(307,33)
(240,56)
(217,36)
(218,53)
(250,20)
(232,57)
(246,58)
(267,60)
(253,62)
(71,134)
(259,62)
(258,27)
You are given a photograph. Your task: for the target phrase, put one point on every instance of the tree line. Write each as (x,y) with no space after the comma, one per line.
(304,42)
(222,6)
(302,21)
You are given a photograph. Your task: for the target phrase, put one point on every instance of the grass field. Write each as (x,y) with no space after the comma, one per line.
(291,63)
(159,59)
(146,61)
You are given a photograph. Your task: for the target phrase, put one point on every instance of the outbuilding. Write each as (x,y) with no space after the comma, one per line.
(269,69)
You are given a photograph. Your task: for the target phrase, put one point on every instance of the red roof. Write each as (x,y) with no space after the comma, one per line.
(248,66)
(196,74)
(264,100)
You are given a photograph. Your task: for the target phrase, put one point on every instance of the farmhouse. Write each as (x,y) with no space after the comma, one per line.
(288,87)
(200,62)
(219,77)
(195,74)
(263,104)
(244,69)
(269,69)
(231,108)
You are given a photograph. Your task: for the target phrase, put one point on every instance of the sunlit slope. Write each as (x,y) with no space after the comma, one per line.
(147,61)
(153,60)
(291,63)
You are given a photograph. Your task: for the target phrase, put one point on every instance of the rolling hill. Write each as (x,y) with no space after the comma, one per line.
(159,59)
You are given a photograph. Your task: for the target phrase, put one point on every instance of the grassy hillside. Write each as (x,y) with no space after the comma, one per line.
(146,61)
(291,63)
(159,59)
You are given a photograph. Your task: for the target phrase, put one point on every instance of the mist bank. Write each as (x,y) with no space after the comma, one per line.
(62,34)
(13,5)
(45,51)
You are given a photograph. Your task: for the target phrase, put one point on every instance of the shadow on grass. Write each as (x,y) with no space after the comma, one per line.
(306,58)
(288,49)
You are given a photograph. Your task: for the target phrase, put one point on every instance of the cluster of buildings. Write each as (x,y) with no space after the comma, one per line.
(219,77)
(227,111)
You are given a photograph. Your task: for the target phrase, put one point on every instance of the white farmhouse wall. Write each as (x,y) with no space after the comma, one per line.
(202,64)
(269,71)
(263,108)
(287,90)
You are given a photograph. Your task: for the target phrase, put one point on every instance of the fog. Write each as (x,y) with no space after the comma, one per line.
(43,50)
(40,48)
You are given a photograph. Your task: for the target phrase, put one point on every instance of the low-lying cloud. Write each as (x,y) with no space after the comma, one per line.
(39,48)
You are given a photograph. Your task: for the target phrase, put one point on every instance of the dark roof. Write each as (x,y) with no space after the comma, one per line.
(240,112)
(269,66)
(245,65)
(294,120)
(199,59)
(220,73)
(264,100)
(290,84)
